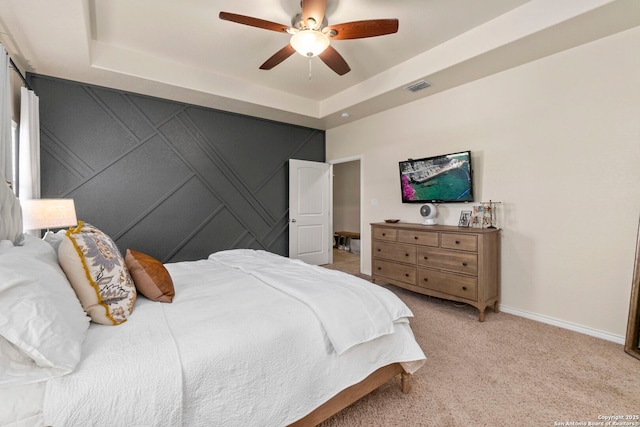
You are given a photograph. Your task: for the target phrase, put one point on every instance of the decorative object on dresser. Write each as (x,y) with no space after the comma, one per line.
(465,219)
(484,215)
(458,264)
(429,212)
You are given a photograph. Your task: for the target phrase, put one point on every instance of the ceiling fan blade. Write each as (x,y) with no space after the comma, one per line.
(278,57)
(313,9)
(335,61)
(363,29)
(253,22)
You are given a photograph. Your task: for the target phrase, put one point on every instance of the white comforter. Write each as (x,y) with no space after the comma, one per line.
(336,299)
(254,356)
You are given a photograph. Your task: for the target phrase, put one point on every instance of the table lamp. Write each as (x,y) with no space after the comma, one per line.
(40,214)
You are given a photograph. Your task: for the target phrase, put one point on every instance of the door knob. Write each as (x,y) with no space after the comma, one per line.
(293,220)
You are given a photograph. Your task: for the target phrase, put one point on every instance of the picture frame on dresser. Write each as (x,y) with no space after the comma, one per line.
(465,219)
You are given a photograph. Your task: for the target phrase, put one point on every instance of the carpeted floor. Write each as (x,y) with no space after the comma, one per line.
(507,371)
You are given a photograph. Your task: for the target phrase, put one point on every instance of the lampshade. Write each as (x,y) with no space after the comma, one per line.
(38,214)
(309,42)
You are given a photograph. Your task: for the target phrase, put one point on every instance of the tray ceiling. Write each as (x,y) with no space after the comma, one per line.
(181,50)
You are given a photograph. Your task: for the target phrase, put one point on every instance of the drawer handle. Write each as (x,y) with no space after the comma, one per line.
(378,250)
(406,254)
(426,257)
(415,237)
(425,279)
(464,288)
(384,234)
(406,274)
(464,264)
(457,242)
(379,268)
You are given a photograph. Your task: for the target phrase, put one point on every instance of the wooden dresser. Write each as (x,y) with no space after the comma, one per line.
(454,263)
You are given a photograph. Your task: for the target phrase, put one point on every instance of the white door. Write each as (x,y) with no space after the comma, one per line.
(310,236)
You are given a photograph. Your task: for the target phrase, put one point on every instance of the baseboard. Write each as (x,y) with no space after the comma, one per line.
(618,339)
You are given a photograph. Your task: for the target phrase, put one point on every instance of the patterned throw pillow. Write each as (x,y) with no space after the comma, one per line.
(150,277)
(98,274)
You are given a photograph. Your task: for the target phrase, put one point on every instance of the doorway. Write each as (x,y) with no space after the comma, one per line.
(347,213)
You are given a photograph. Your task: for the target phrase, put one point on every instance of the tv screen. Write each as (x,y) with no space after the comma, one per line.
(439,179)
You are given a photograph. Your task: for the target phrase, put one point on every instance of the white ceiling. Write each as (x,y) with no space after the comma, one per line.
(181,50)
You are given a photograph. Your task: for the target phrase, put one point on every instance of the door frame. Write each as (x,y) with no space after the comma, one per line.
(346,160)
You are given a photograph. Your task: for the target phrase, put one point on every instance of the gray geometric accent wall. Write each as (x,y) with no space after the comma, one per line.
(173,180)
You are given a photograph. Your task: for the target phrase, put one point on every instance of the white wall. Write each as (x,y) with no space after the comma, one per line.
(346,196)
(558,142)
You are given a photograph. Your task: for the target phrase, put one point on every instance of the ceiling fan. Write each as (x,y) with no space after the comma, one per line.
(311,35)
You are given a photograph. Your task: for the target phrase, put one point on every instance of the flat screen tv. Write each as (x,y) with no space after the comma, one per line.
(440,179)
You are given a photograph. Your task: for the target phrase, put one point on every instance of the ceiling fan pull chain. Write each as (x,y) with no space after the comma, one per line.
(309,68)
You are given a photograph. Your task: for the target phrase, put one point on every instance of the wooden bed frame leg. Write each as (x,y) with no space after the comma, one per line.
(405,382)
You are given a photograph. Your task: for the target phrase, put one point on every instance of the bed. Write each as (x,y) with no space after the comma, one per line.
(248,338)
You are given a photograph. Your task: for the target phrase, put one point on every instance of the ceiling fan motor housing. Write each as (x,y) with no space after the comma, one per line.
(298,22)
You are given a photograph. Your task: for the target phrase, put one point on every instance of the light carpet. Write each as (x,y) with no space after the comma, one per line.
(506,371)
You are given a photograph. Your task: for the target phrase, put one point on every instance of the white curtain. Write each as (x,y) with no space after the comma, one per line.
(6,159)
(29,146)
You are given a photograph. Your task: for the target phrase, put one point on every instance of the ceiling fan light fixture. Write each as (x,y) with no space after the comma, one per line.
(309,43)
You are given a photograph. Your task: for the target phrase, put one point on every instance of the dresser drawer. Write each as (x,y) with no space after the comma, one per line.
(382,233)
(394,271)
(394,252)
(460,262)
(451,284)
(461,242)
(425,238)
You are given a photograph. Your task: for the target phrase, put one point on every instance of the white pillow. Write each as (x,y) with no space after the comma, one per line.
(54,239)
(42,324)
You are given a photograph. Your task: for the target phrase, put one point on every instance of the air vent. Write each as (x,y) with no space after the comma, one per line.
(419,85)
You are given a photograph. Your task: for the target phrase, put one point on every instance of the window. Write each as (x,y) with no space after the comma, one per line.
(14,155)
